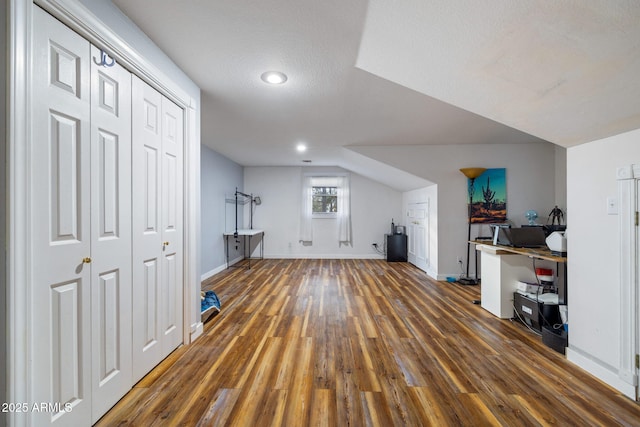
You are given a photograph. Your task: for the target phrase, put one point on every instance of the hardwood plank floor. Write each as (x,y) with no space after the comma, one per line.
(363,343)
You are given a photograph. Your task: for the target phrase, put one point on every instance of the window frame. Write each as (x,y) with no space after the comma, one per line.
(327,181)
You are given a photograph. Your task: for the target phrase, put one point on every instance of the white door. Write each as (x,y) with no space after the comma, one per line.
(111,234)
(157,227)
(171,222)
(147,233)
(418,234)
(60,210)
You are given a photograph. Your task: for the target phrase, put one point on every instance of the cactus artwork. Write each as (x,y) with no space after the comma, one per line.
(488,195)
(492,206)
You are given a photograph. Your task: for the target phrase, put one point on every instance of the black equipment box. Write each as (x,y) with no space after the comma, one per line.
(534,313)
(396,247)
(555,338)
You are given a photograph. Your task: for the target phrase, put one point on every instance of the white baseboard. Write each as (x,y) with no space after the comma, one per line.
(217,270)
(324,256)
(443,277)
(196,330)
(600,370)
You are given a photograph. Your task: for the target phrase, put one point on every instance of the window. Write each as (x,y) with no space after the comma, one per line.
(326,197)
(324,200)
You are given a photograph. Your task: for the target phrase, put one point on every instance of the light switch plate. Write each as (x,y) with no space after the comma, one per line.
(612,206)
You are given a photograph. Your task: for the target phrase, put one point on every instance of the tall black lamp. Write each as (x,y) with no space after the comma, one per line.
(472,174)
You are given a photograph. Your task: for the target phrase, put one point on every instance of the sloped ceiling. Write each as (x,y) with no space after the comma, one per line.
(565,71)
(399,73)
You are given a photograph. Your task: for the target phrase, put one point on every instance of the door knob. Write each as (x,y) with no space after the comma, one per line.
(165,244)
(86,260)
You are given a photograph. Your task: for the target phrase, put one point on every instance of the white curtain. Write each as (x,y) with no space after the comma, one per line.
(344,210)
(306,211)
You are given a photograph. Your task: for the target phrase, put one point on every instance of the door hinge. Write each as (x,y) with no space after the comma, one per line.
(636,218)
(637,361)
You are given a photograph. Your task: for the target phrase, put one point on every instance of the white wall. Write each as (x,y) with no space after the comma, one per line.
(561,179)
(373,205)
(219,178)
(531,184)
(593,251)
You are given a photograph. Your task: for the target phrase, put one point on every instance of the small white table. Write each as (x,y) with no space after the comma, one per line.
(246,234)
(501,271)
(502,266)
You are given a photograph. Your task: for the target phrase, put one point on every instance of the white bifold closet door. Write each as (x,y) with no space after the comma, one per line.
(81,224)
(111,335)
(157,227)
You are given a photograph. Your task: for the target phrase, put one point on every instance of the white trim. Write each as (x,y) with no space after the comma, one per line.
(233,262)
(443,277)
(324,256)
(192,323)
(212,272)
(220,268)
(627,235)
(600,371)
(19,248)
(197,330)
(627,178)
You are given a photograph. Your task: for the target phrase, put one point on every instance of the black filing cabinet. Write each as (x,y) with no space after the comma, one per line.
(396,247)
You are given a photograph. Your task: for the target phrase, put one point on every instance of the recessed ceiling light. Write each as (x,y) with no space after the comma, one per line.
(274,77)
(301,148)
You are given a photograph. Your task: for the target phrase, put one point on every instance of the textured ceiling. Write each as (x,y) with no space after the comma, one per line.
(399,73)
(565,71)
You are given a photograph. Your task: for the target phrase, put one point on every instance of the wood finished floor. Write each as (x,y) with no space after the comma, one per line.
(363,343)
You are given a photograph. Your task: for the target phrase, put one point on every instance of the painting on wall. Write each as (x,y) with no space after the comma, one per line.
(489,197)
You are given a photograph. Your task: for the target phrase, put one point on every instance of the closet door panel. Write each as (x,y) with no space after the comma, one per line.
(149,313)
(147,233)
(172,224)
(60,225)
(158,223)
(111,234)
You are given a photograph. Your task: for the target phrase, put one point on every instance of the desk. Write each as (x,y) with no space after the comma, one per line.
(540,253)
(245,234)
(501,269)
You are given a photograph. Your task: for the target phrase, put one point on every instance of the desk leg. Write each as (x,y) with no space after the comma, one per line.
(562,292)
(249,253)
(476,265)
(226,239)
